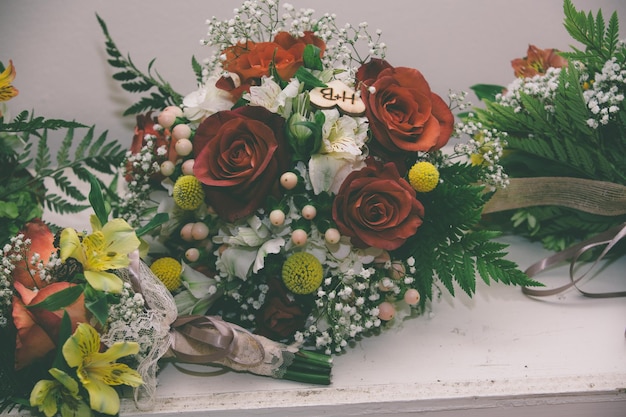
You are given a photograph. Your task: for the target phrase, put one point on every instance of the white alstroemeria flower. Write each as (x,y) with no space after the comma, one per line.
(343,136)
(272,97)
(327,172)
(247,248)
(206,100)
(252,236)
(343,141)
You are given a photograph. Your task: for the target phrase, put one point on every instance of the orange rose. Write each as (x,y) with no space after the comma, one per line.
(250,61)
(404,114)
(42,243)
(537,61)
(38,329)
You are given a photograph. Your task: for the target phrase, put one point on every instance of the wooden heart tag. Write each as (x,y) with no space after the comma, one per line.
(338,94)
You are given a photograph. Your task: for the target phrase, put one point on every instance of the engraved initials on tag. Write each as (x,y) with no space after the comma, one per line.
(337,94)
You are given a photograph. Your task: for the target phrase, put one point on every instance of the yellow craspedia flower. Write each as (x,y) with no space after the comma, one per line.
(168,271)
(423,177)
(302,273)
(188,193)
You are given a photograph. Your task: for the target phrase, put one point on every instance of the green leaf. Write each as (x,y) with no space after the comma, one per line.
(97,201)
(65,331)
(96,302)
(487,91)
(154,222)
(60,299)
(308,79)
(311,57)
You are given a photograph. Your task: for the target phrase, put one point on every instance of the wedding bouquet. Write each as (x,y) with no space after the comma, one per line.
(563,120)
(303,190)
(74,303)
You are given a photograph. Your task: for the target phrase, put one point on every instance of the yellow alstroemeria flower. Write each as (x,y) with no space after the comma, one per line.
(7,91)
(105,249)
(47,395)
(98,371)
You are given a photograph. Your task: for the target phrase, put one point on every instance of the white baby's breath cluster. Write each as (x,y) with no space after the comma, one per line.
(484,147)
(125,315)
(542,87)
(605,96)
(347,46)
(144,164)
(13,253)
(129,307)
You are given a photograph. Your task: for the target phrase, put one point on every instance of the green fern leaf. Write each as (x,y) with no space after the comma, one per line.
(84,144)
(59,204)
(137,86)
(124,76)
(63,154)
(42,160)
(197,69)
(94,149)
(66,186)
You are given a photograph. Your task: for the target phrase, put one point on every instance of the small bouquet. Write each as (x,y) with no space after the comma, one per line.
(80,314)
(303,190)
(562,125)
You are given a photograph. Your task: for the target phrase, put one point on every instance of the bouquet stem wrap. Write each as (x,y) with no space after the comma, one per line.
(192,339)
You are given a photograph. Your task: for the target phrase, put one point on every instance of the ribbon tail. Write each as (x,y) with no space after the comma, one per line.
(609,238)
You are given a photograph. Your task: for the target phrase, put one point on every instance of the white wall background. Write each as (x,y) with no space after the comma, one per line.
(59,54)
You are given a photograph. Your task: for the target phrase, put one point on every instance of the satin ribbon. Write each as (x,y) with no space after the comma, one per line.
(209,339)
(608,238)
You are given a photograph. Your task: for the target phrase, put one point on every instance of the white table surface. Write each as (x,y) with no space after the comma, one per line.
(500,353)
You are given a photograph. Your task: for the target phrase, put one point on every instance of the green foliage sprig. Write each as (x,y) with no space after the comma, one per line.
(135,81)
(599,40)
(457,252)
(27,163)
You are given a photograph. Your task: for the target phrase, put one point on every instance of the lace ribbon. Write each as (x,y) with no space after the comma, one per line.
(608,238)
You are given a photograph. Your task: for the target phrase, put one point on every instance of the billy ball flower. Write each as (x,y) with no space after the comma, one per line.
(302,273)
(168,271)
(188,193)
(423,177)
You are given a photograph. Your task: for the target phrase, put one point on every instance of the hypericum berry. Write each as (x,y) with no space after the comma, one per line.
(289,180)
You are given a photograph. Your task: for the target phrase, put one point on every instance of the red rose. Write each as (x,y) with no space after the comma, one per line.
(145,126)
(251,60)
(42,243)
(37,328)
(376,207)
(280,317)
(240,156)
(404,115)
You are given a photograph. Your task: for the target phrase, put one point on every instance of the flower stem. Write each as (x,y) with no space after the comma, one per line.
(310,367)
